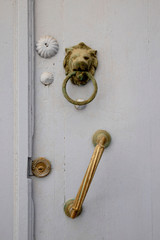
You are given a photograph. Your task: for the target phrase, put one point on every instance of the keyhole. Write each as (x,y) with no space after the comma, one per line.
(41,167)
(46,44)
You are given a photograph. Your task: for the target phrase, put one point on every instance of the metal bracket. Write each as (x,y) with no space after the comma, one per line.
(30,167)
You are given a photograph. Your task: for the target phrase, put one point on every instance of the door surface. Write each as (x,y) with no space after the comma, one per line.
(124,198)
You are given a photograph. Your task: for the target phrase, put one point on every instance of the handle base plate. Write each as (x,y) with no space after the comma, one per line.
(68,208)
(98,135)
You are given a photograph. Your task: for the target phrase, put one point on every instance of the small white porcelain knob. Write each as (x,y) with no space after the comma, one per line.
(47,78)
(80,107)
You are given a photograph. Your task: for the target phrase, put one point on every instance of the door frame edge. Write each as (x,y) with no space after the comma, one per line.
(23,118)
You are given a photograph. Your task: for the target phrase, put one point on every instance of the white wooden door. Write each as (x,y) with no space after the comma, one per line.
(124,198)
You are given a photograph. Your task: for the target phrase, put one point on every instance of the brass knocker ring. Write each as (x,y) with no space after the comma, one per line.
(89,75)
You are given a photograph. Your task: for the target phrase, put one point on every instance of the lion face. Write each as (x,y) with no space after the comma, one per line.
(80,58)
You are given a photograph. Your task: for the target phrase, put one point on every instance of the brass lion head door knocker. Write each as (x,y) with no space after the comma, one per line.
(80,64)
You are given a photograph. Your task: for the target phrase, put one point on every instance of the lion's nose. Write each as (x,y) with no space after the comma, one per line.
(81,66)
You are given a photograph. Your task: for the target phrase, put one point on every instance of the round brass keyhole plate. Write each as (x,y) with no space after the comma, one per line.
(41,167)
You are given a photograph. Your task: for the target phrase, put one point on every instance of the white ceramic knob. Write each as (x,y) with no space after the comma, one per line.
(47,47)
(80,107)
(47,78)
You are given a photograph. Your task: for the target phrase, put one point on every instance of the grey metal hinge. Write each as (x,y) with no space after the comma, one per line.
(30,167)
(31,218)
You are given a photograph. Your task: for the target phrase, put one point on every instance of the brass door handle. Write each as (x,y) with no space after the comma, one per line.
(73,207)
